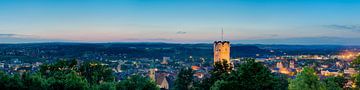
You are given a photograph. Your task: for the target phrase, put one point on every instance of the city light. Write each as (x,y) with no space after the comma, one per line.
(348,55)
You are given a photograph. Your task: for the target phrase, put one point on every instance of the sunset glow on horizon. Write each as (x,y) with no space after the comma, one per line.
(181,21)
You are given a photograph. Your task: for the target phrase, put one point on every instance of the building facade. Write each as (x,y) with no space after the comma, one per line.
(221,51)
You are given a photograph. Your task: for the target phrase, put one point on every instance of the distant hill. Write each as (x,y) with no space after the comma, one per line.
(159,50)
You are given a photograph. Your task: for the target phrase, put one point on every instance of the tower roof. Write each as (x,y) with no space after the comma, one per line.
(222,42)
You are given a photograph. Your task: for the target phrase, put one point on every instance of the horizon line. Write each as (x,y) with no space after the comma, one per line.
(135,42)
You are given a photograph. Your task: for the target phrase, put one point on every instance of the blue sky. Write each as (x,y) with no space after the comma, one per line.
(181,21)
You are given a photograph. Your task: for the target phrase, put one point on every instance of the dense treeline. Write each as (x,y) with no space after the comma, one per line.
(254,76)
(66,75)
(250,75)
(89,51)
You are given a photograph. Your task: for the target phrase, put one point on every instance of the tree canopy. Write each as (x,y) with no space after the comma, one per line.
(334,83)
(137,82)
(306,80)
(65,75)
(184,79)
(356,62)
(250,75)
(95,72)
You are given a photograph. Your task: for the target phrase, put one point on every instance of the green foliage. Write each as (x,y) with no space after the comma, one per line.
(184,79)
(60,68)
(356,63)
(4,79)
(95,72)
(75,82)
(306,80)
(56,84)
(136,82)
(248,76)
(26,81)
(223,85)
(334,83)
(104,86)
(70,81)
(65,75)
(253,76)
(221,69)
(220,72)
(197,85)
(34,81)
(14,83)
(357,80)
(280,82)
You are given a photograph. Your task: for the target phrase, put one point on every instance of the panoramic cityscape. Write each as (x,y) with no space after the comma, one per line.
(179,45)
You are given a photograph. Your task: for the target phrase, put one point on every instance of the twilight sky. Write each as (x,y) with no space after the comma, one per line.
(181,21)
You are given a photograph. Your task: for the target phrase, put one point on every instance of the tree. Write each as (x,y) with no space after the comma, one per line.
(34,81)
(334,83)
(253,76)
(356,63)
(250,76)
(136,82)
(65,75)
(357,81)
(56,73)
(221,71)
(25,81)
(223,85)
(95,72)
(306,80)
(59,68)
(280,82)
(184,79)
(70,81)
(105,86)
(4,79)
(14,83)
(75,82)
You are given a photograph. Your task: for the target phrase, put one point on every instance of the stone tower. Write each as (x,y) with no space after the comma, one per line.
(221,51)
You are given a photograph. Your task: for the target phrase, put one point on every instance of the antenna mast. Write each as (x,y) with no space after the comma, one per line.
(222,34)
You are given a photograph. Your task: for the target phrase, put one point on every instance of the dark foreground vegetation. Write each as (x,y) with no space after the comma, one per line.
(250,75)
(67,75)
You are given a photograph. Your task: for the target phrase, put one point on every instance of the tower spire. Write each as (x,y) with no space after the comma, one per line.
(222,34)
(222,49)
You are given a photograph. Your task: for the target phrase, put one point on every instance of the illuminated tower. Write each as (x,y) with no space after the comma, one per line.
(221,50)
